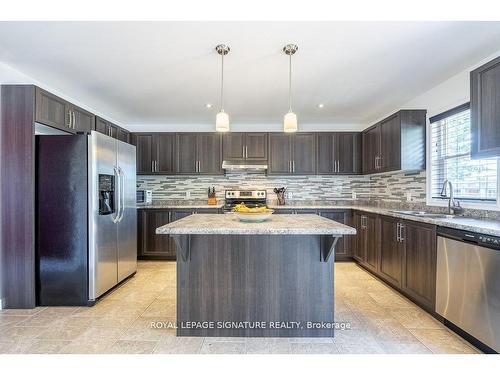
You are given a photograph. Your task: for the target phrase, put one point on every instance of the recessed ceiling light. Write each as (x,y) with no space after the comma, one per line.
(208,105)
(321,105)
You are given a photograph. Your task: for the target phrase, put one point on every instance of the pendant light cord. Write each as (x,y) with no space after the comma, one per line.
(222,86)
(290,84)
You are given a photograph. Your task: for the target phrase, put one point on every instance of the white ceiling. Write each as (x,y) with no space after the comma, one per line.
(165,72)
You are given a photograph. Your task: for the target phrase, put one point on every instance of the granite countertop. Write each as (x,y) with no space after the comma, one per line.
(180,204)
(279,224)
(478,225)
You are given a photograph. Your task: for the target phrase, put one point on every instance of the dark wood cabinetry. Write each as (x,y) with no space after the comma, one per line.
(485,110)
(292,153)
(395,143)
(419,262)
(367,239)
(338,153)
(401,252)
(82,121)
(106,127)
(244,146)
(343,246)
(51,110)
(155,152)
(151,246)
(391,251)
(198,153)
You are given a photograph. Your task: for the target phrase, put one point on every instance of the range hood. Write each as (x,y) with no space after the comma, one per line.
(244,165)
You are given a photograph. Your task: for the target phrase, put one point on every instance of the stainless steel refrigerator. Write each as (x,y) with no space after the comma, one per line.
(86,217)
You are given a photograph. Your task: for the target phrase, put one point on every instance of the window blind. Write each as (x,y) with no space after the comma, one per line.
(450,159)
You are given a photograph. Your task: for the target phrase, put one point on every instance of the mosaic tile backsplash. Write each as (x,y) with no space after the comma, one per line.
(390,187)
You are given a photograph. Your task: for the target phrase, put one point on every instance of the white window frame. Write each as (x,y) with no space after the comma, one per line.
(430,201)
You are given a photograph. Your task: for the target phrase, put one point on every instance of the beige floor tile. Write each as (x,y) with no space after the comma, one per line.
(132,347)
(316,348)
(415,318)
(21,333)
(13,347)
(11,320)
(142,330)
(179,345)
(87,347)
(223,347)
(62,332)
(45,346)
(442,341)
(268,346)
(22,311)
(102,333)
(160,308)
(401,348)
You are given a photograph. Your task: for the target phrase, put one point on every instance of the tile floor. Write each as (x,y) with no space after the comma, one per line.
(382,321)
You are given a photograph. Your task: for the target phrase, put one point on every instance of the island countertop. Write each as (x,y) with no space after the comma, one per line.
(278,224)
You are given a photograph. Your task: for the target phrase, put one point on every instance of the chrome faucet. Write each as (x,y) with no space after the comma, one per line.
(453,206)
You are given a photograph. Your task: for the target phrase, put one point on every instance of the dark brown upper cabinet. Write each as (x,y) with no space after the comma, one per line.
(338,153)
(82,121)
(485,110)
(51,110)
(198,153)
(292,153)
(58,113)
(107,127)
(395,143)
(244,146)
(155,152)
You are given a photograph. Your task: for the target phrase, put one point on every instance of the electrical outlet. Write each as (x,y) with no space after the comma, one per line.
(354,195)
(188,194)
(408,196)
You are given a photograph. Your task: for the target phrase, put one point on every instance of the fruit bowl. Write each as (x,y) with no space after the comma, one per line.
(253,217)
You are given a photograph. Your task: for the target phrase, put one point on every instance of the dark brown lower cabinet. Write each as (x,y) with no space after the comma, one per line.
(404,253)
(367,239)
(342,248)
(391,251)
(419,262)
(152,246)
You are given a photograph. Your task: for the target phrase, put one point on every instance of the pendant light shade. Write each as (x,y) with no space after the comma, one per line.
(222,122)
(290,120)
(222,118)
(290,123)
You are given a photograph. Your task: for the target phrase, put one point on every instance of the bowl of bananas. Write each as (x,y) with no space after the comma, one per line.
(252,214)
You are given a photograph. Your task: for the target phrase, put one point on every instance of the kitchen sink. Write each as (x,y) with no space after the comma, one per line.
(424,214)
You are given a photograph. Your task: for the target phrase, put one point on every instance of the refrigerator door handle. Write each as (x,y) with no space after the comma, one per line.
(122,194)
(117,197)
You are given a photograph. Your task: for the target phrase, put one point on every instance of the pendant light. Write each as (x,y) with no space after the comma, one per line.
(222,119)
(290,119)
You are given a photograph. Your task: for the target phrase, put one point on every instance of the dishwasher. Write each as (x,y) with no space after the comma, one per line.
(468,283)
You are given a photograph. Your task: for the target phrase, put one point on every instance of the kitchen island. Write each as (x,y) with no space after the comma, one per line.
(270,279)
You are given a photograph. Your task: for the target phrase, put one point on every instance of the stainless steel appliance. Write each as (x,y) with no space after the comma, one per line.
(144,196)
(468,283)
(251,198)
(87,221)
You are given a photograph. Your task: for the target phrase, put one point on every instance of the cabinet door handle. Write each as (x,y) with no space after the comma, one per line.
(68,124)
(398,232)
(293,166)
(402,232)
(338,166)
(152,164)
(156,166)
(169,216)
(243,151)
(246,152)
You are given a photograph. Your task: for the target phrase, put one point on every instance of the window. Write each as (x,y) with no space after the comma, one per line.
(473,180)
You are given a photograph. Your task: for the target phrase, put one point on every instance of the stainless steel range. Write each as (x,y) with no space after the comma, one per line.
(251,198)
